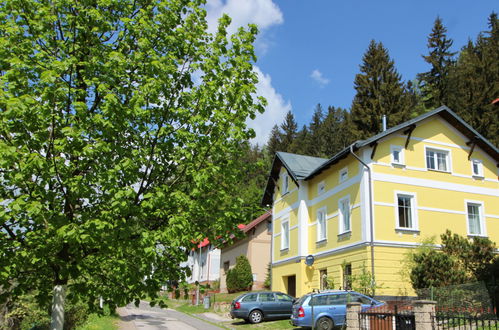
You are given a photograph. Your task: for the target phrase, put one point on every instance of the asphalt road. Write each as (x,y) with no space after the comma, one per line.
(145,317)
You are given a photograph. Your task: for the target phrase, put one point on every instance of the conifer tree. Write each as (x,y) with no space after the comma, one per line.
(380,91)
(289,132)
(475,82)
(315,139)
(300,144)
(274,142)
(434,83)
(336,131)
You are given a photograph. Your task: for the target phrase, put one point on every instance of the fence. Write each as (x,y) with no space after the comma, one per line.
(420,315)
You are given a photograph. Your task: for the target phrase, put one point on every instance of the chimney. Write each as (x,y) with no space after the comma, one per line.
(384,123)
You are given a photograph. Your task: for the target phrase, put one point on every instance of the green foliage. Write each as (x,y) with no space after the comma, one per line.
(268,277)
(121,125)
(434,83)
(460,260)
(380,91)
(426,245)
(435,269)
(473,82)
(240,278)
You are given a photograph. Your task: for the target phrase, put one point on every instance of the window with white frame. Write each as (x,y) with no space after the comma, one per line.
(437,159)
(477,167)
(406,211)
(321,225)
(321,187)
(475,218)
(343,174)
(285,183)
(344,213)
(285,234)
(397,154)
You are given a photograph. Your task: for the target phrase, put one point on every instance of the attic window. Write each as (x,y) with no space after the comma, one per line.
(321,187)
(344,174)
(285,183)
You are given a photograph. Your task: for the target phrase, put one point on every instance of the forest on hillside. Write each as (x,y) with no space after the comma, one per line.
(466,81)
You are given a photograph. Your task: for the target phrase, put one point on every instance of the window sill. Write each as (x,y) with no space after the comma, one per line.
(407,230)
(322,241)
(398,165)
(478,177)
(439,171)
(284,250)
(477,235)
(345,234)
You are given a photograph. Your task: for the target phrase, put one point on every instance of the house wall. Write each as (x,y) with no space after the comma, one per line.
(256,247)
(439,203)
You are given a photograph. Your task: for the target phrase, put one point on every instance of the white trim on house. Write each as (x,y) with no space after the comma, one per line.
(481,217)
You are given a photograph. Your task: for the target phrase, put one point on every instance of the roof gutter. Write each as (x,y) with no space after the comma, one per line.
(370,208)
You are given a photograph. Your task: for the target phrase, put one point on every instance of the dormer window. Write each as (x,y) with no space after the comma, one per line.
(343,174)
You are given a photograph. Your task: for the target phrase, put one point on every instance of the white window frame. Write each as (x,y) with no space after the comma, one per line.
(341,216)
(414,213)
(322,228)
(479,166)
(285,183)
(285,234)
(321,188)
(400,151)
(343,174)
(481,218)
(448,162)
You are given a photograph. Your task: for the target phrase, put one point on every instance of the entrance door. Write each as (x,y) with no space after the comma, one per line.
(292,285)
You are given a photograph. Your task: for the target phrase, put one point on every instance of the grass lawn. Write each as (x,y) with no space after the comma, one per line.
(99,322)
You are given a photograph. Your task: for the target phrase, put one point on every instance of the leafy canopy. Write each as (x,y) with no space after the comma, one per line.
(120,131)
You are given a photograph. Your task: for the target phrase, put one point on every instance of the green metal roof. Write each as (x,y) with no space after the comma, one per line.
(300,166)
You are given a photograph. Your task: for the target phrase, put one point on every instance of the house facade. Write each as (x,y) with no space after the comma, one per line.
(204,263)
(363,209)
(255,245)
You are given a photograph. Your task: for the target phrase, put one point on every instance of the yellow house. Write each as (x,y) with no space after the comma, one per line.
(364,208)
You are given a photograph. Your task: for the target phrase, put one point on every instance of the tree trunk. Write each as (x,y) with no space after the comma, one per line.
(57,322)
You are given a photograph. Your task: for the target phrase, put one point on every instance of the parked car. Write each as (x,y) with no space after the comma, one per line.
(327,309)
(254,307)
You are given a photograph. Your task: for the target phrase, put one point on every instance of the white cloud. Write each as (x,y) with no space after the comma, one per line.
(317,76)
(263,13)
(275,110)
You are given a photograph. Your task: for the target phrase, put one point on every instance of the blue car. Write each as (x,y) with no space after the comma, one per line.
(327,309)
(254,307)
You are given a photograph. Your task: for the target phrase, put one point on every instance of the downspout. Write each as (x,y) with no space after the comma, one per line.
(370,207)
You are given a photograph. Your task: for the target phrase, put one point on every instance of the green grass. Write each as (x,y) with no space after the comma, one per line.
(99,322)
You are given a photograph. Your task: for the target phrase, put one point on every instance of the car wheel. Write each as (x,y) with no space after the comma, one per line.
(255,317)
(324,323)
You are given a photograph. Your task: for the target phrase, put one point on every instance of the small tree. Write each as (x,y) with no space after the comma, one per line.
(240,278)
(268,277)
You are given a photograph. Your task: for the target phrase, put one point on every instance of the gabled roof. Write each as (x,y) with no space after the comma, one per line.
(298,167)
(302,167)
(443,111)
(256,222)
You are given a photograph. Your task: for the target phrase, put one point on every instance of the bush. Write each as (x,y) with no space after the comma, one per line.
(240,278)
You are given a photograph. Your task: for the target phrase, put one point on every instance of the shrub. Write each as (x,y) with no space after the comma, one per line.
(240,278)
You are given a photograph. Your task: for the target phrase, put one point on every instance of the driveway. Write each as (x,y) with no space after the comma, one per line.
(145,317)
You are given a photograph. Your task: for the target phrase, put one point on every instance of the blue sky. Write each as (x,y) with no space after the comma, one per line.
(310,50)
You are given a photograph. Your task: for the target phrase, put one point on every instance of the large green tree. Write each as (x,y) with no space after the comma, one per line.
(120,131)
(475,82)
(380,91)
(434,83)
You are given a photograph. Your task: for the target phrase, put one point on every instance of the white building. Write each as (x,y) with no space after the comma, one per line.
(204,263)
